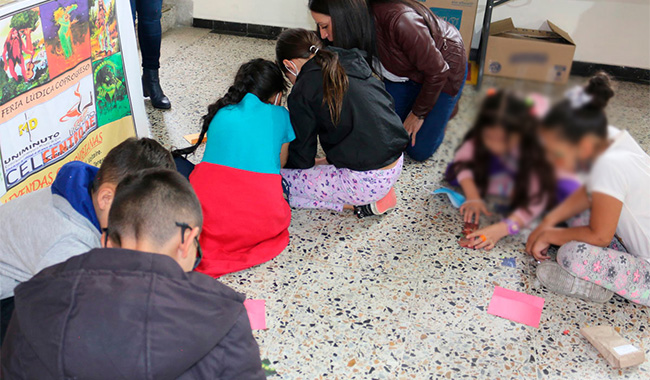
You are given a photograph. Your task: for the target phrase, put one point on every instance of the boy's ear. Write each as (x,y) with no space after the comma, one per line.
(186,252)
(105,195)
(188,245)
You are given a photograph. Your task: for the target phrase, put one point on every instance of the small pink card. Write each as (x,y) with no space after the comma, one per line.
(256,310)
(516,306)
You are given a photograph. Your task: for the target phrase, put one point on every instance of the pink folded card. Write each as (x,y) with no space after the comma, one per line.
(516,306)
(256,310)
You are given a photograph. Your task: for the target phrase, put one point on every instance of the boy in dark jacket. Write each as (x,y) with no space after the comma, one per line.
(50,225)
(135,309)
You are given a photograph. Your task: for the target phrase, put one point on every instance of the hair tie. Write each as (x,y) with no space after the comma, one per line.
(314,49)
(578,97)
(491,91)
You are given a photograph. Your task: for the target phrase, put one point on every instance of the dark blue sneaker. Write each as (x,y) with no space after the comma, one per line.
(286,189)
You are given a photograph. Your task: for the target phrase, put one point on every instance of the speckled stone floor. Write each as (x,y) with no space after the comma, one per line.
(395,297)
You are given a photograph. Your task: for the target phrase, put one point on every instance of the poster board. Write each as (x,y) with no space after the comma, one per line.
(69,87)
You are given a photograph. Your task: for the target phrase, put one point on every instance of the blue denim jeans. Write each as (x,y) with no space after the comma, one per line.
(148,13)
(432,132)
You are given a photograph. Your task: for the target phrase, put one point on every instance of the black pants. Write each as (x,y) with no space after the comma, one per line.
(149,13)
(7,306)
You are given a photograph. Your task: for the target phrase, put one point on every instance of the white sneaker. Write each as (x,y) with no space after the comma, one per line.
(558,280)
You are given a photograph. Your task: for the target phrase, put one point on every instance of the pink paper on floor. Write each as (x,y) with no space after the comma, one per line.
(516,306)
(256,310)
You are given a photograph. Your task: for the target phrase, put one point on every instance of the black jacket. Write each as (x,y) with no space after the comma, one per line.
(370,134)
(119,314)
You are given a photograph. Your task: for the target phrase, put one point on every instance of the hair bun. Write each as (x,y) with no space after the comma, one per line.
(600,88)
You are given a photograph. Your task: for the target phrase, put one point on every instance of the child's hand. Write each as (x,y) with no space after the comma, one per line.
(472,209)
(539,249)
(535,235)
(487,238)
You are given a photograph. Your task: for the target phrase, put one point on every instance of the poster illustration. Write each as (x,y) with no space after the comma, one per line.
(110,89)
(103,29)
(65,27)
(24,60)
(64,88)
(45,134)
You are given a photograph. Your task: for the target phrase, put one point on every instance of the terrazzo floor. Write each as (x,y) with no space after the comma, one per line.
(395,297)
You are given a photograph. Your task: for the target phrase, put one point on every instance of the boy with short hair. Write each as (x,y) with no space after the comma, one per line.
(51,225)
(135,309)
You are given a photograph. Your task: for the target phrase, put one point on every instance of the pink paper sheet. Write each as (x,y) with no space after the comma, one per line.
(516,306)
(256,310)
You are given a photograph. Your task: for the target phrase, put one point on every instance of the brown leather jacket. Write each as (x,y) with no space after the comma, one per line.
(407,47)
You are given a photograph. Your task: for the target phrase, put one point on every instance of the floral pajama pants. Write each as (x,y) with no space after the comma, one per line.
(327,187)
(612,268)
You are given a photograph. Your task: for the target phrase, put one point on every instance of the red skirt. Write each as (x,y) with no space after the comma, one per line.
(245,218)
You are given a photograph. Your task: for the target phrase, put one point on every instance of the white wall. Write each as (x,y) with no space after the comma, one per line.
(614,32)
(286,13)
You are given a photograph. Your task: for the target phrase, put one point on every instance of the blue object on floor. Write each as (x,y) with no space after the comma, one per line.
(455,197)
(509,262)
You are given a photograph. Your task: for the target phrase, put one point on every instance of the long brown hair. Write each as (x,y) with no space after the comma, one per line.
(301,43)
(258,77)
(509,111)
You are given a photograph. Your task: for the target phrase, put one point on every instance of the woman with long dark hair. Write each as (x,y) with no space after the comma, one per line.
(337,101)
(421,58)
(238,180)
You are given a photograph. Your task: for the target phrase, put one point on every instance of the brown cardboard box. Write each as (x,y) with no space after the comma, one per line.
(459,13)
(532,54)
(614,348)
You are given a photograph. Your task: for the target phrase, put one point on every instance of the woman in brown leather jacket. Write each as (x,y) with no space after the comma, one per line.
(421,58)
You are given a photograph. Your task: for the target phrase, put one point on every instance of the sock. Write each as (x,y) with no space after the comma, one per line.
(386,203)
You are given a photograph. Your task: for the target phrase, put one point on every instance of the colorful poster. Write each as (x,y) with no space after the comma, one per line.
(24,60)
(103,29)
(67,38)
(65,93)
(110,89)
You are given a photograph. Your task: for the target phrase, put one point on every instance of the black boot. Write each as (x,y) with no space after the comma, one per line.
(151,87)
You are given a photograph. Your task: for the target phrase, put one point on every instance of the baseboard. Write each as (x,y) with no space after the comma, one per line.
(239,29)
(621,73)
(624,73)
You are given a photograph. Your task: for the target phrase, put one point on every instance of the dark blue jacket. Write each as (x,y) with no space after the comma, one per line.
(120,314)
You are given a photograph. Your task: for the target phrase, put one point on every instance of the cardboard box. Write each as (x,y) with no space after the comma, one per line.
(618,351)
(532,54)
(459,13)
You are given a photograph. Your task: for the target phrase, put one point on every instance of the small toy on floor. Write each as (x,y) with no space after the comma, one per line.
(467,229)
(268,370)
(509,262)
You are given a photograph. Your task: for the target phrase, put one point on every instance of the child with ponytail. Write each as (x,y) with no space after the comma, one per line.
(337,101)
(238,181)
(577,137)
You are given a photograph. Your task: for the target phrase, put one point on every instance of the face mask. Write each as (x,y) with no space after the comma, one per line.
(277,99)
(291,71)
